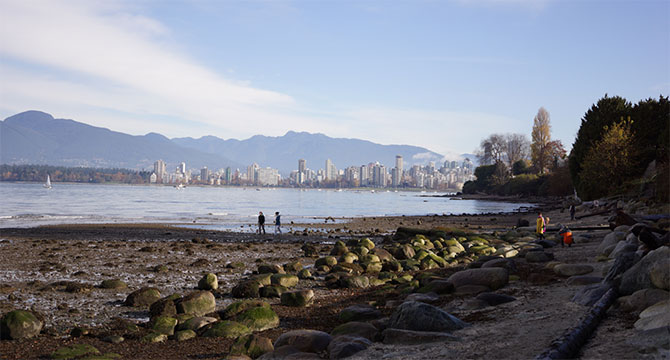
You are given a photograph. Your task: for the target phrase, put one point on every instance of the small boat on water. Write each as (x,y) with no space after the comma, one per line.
(47,184)
(180,187)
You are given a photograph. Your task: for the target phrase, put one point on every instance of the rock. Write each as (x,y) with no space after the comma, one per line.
(651,344)
(355,282)
(259,318)
(654,317)
(163,325)
(538,256)
(115,284)
(508,264)
(545,243)
(272,291)
(622,247)
(270,269)
(638,276)
(251,345)
(154,338)
(367,243)
(356,328)
(310,250)
(304,274)
(359,312)
(298,298)
(263,279)
(196,323)
(429,297)
(293,266)
(382,254)
(404,252)
(339,249)
(413,315)
(288,352)
(642,299)
(573,269)
(659,274)
(344,346)
(226,329)
(312,341)
(113,339)
(284,280)
(74,351)
(329,261)
(438,286)
(246,289)
(19,324)
(410,337)
(164,307)
(348,258)
(471,290)
(143,297)
(493,278)
(580,280)
(208,282)
(494,299)
(197,303)
(184,335)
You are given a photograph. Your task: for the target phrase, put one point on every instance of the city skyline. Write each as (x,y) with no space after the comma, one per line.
(232,68)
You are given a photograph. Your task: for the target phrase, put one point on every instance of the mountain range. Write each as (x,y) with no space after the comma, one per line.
(35,137)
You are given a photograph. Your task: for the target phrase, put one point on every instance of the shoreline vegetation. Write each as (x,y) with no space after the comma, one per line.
(84,285)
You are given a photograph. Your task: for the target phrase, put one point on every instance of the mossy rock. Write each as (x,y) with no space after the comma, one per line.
(367,243)
(410,264)
(143,297)
(208,282)
(378,282)
(74,351)
(293,266)
(404,279)
(164,325)
(270,269)
(373,267)
(165,306)
(421,254)
(370,258)
(385,275)
(259,319)
(428,263)
(349,258)
(329,261)
(339,249)
(227,329)
(440,261)
(272,291)
(241,306)
(184,335)
(304,274)
(251,345)
(246,289)
(263,279)
(392,266)
(298,298)
(197,303)
(360,251)
(19,324)
(154,338)
(355,269)
(113,284)
(285,280)
(355,282)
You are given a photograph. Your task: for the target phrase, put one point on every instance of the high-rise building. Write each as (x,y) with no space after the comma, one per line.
(228,175)
(252,171)
(268,176)
(160,169)
(302,165)
(398,163)
(204,174)
(331,171)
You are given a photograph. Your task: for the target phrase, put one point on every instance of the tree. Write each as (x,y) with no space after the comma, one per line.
(541,137)
(491,149)
(516,148)
(520,167)
(605,112)
(608,164)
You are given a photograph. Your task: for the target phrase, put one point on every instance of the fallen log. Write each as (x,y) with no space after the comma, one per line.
(571,342)
(593,214)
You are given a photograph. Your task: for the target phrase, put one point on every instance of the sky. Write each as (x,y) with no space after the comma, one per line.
(439,74)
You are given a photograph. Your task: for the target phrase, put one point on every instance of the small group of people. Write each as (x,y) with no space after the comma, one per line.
(261,223)
(563,232)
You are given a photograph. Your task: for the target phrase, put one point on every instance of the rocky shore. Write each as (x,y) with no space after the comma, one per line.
(420,287)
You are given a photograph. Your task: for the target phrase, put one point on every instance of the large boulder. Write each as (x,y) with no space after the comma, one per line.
(413,315)
(659,274)
(246,289)
(284,280)
(252,346)
(19,324)
(344,346)
(298,298)
(359,312)
(227,329)
(259,318)
(143,297)
(312,341)
(610,241)
(197,303)
(654,317)
(164,325)
(638,276)
(356,328)
(573,269)
(493,278)
(241,306)
(208,282)
(642,299)
(164,307)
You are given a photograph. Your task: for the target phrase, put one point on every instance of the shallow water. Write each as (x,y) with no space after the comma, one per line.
(220,208)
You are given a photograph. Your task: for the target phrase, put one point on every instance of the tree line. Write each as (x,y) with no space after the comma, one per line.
(620,148)
(38,173)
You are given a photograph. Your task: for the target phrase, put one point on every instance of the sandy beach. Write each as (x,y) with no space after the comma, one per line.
(55,271)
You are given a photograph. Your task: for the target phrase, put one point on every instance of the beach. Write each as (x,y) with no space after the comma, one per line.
(56,271)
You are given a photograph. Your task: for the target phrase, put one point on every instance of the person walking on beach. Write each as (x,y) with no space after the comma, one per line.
(261,223)
(572,212)
(277,223)
(540,228)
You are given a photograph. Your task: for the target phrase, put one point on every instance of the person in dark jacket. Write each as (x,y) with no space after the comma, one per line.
(261,222)
(277,223)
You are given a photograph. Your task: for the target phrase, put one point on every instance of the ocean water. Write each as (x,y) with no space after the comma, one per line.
(219,208)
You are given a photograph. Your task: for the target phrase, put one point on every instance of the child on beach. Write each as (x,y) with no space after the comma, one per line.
(277,223)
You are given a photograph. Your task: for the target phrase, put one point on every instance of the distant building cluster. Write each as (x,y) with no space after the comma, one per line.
(451,175)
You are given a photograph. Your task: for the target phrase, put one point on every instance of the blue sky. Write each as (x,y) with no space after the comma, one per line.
(438,74)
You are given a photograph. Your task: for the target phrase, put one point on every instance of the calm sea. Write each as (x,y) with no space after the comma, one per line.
(27,205)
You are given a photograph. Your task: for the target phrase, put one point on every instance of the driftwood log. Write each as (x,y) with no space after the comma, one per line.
(571,342)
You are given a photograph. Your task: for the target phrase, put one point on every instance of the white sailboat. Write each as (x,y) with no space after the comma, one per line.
(47,184)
